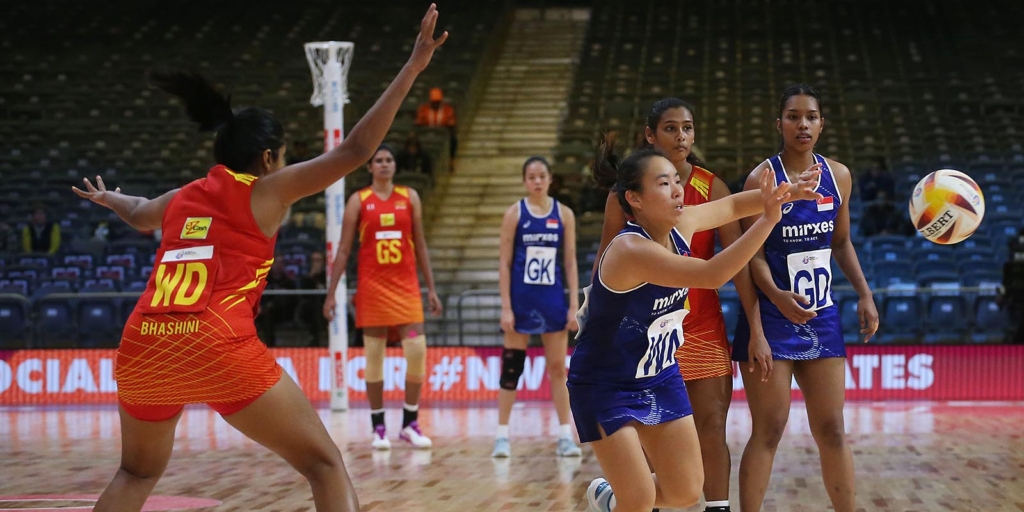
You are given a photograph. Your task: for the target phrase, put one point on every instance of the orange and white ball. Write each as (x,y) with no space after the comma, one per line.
(947,206)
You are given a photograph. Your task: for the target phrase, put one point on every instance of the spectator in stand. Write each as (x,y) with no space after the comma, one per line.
(412,158)
(883,217)
(41,236)
(877,178)
(438,114)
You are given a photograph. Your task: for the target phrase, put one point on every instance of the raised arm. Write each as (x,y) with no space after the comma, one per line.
(138,212)
(348,236)
(294,182)
(664,268)
(422,254)
(714,214)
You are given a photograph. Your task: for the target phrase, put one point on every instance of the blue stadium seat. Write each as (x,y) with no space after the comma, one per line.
(1007,209)
(883,254)
(892,272)
(13,323)
(947,319)
(982,274)
(902,320)
(942,253)
(935,267)
(849,318)
(977,241)
(971,258)
(16,287)
(121,260)
(54,322)
(82,261)
(887,242)
(110,272)
(990,321)
(98,324)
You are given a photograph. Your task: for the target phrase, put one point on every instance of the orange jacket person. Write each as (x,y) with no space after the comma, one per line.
(191,337)
(391,244)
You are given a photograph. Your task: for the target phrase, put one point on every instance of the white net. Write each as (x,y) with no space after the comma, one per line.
(320,55)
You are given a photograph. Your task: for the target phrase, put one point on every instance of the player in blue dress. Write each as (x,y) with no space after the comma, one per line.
(800,318)
(625,389)
(532,280)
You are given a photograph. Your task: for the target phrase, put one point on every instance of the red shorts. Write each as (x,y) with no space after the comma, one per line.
(166,412)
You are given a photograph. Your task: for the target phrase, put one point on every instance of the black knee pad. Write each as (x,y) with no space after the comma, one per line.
(512,363)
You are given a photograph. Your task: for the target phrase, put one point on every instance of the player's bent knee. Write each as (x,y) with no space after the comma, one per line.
(415,351)
(322,466)
(142,474)
(513,361)
(374,351)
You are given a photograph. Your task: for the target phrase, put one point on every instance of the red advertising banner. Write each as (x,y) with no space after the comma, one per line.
(470,375)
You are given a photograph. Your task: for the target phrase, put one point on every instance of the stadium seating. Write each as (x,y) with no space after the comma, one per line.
(911,83)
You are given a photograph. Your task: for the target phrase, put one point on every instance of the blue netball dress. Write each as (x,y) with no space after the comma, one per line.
(624,367)
(538,296)
(799,254)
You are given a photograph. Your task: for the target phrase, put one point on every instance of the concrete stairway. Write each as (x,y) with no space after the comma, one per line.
(518,117)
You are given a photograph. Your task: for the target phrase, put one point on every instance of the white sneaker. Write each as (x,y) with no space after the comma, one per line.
(599,495)
(380,438)
(413,436)
(567,448)
(502,448)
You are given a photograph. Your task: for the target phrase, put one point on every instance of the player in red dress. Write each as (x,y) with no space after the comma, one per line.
(391,244)
(191,337)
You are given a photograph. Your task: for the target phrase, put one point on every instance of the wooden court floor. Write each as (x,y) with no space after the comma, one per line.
(909,457)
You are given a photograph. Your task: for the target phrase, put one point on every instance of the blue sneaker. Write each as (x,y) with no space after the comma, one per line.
(599,495)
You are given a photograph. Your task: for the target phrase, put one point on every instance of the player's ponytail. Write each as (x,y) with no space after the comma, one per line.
(242,137)
(620,175)
(203,104)
(606,162)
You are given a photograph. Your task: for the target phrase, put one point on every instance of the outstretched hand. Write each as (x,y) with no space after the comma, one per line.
(97,194)
(423,51)
(806,187)
(773,195)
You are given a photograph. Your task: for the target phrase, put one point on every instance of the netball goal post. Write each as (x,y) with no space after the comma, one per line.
(329,63)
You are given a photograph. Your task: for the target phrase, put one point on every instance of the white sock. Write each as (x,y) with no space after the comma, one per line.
(502,432)
(720,503)
(411,407)
(565,431)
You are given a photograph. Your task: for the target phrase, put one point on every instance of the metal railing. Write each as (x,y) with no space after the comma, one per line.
(440,328)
